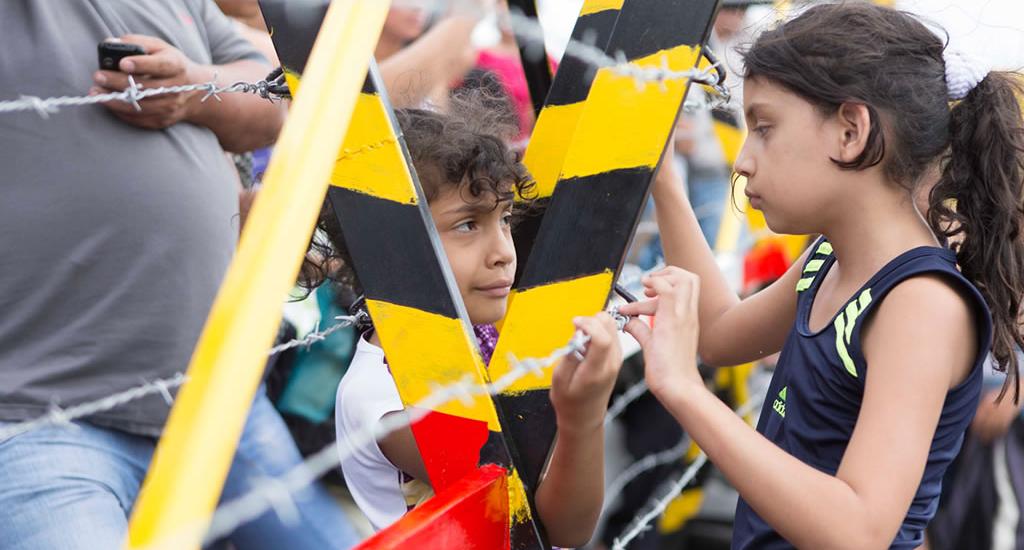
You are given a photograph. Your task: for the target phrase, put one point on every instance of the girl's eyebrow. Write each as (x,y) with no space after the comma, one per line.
(479,207)
(471,208)
(754,110)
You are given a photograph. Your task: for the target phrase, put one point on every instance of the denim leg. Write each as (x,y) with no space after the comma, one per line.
(69,488)
(267,450)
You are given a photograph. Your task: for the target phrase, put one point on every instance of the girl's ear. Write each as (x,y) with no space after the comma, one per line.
(854,123)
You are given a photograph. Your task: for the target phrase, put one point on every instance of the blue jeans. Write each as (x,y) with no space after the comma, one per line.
(72,488)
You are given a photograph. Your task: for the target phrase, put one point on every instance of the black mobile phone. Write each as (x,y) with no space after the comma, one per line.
(111,54)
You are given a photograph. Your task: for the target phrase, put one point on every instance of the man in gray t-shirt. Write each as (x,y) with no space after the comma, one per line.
(116,228)
(114,236)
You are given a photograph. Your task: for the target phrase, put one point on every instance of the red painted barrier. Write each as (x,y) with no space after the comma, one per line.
(472,514)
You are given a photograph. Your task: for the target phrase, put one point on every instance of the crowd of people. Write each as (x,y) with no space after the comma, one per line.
(892,343)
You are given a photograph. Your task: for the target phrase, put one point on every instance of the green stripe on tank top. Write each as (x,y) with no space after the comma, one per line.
(845,322)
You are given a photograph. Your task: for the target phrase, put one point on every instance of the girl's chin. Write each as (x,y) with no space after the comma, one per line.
(486,318)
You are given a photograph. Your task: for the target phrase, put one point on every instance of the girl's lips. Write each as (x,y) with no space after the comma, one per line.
(496,292)
(499,289)
(754,199)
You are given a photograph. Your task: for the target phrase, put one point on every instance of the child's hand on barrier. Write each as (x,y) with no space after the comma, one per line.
(670,347)
(580,389)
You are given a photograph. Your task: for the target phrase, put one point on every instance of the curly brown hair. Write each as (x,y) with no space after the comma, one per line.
(465,149)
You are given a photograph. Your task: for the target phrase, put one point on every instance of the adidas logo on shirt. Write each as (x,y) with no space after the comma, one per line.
(780,403)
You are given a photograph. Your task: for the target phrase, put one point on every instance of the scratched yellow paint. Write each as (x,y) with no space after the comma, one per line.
(426,350)
(594,6)
(518,506)
(539,321)
(371,159)
(631,130)
(549,144)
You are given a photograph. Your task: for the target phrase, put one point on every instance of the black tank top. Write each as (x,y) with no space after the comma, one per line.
(816,392)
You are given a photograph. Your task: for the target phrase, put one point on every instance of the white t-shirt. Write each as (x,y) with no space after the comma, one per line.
(367,393)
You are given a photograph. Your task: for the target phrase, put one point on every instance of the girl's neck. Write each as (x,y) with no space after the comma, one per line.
(874,230)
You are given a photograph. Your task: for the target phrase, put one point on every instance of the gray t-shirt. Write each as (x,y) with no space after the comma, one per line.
(113,239)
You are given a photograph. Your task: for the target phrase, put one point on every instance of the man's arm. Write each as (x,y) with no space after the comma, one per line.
(242,122)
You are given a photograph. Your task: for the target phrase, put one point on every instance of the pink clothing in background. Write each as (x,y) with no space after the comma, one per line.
(509,71)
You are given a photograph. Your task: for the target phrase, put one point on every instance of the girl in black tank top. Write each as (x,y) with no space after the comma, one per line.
(882,330)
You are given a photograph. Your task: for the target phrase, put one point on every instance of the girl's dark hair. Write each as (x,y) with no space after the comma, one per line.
(464,149)
(890,62)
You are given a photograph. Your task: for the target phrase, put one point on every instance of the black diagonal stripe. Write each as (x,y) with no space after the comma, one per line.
(529,423)
(392,252)
(574,77)
(368,86)
(526,535)
(293,26)
(587,226)
(646,27)
(535,67)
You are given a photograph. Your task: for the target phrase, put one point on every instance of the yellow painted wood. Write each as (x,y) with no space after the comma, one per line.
(594,6)
(548,145)
(539,320)
(405,333)
(193,457)
(636,120)
(371,160)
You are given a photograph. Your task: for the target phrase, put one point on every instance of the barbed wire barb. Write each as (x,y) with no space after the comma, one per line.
(132,95)
(642,522)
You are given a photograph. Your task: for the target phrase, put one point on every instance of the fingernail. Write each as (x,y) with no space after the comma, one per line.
(111,39)
(100,78)
(127,65)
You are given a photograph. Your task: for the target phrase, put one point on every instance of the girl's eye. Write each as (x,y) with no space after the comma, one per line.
(506,218)
(466,226)
(762,130)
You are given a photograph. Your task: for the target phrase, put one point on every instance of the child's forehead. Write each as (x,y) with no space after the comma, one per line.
(462,200)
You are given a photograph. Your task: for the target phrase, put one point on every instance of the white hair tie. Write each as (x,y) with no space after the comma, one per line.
(963,72)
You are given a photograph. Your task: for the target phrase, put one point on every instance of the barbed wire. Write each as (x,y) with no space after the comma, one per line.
(645,464)
(345,321)
(57,415)
(634,392)
(163,387)
(134,93)
(642,522)
(278,493)
(529,30)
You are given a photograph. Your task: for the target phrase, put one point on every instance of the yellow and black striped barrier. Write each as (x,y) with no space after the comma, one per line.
(421,321)
(596,199)
(557,118)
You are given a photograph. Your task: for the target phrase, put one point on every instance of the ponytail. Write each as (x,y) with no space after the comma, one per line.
(978,204)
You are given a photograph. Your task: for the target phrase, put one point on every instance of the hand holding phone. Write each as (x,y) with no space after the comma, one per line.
(111,54)
(152,63)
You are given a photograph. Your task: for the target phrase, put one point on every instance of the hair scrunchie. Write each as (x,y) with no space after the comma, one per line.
(963,72)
